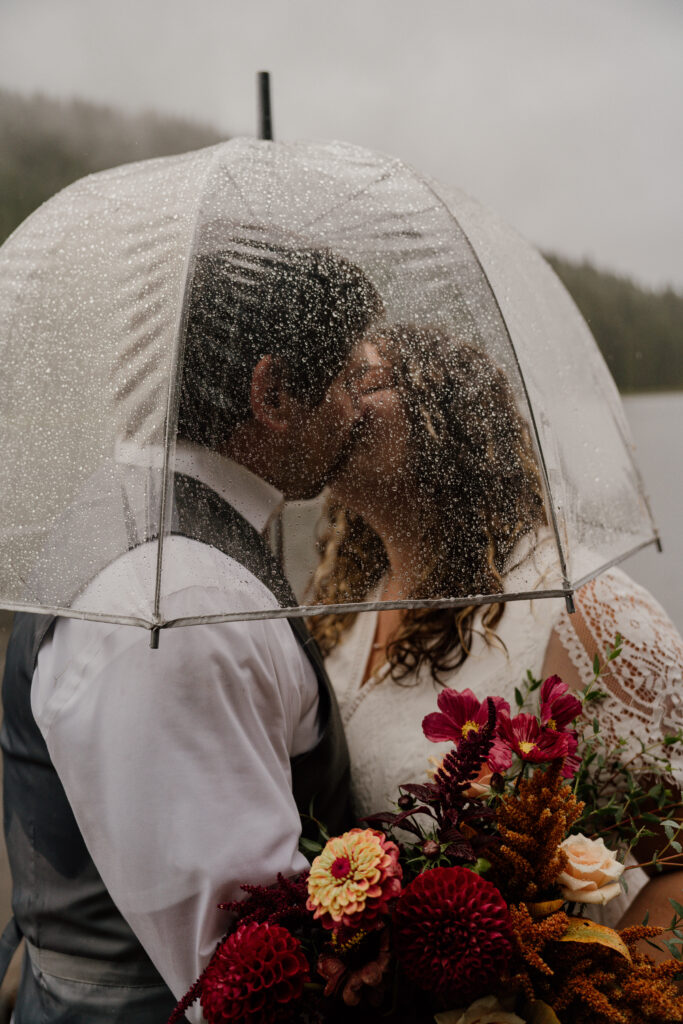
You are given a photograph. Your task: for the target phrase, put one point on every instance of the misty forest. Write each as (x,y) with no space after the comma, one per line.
(46,144)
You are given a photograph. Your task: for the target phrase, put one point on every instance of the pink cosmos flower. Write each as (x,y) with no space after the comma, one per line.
(459,715)
(558,706)
(500,754)
(572,761)
(530,741)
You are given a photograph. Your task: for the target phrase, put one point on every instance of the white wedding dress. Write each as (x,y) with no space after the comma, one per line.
(383,718)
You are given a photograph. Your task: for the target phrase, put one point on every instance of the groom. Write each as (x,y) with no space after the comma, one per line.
(142,787)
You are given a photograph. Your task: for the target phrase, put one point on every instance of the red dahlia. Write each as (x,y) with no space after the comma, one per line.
(453,933)
(253,975)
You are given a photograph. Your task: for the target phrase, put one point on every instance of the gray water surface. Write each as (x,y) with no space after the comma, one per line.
(657,425)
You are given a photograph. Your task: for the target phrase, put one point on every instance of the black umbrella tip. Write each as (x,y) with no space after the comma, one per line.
(264,108)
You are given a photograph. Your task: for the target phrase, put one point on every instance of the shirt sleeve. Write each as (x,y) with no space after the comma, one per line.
(176,764)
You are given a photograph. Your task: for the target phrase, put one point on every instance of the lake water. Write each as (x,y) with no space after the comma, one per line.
(657,425)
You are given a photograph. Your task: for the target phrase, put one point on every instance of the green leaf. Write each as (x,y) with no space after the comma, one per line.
(676,905)
(310,846)
(596,665)
(675,846)
(581,929)
(674,948)
(596,695)
(596,725)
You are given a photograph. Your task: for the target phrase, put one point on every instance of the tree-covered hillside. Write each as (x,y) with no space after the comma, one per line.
(46,144)
(640,331)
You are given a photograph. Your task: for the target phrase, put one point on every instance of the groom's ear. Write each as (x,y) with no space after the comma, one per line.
(271,403)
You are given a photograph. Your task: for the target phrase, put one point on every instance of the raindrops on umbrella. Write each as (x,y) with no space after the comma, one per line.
(451,401)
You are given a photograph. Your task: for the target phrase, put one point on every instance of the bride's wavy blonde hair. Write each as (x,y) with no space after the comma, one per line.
(478,484)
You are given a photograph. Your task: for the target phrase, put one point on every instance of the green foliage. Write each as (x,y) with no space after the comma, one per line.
(628,796)
(639,330)
(46,144)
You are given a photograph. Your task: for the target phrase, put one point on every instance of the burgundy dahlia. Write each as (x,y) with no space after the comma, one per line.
(453,933)
(253,976)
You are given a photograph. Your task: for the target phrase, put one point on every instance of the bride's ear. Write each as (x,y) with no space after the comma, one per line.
(270,402)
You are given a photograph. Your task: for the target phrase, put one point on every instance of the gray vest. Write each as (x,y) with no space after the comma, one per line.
(84,965)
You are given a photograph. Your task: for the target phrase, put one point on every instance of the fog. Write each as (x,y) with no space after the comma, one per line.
(564,117)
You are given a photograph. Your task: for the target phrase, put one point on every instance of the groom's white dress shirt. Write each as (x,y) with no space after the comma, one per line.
(176,761)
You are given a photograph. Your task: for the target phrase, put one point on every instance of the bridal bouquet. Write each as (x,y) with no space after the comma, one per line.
(464,904)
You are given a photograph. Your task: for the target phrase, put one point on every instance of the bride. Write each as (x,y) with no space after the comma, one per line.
(442,495)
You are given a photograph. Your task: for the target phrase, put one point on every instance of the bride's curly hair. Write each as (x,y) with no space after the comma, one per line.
(478,480)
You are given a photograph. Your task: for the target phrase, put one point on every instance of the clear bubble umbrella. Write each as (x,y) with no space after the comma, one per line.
(468,367)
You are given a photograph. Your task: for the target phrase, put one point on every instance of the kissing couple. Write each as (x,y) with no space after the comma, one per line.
(144,786)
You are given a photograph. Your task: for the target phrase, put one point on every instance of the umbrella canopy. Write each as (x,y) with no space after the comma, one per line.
(143,297)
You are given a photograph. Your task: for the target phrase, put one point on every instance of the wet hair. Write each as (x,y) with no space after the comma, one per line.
(477,483)
(305,307)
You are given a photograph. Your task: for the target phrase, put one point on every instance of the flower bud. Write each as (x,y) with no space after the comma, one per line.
(497,782)
(406,802)
(430,848)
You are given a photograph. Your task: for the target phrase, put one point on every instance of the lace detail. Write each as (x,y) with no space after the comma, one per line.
(643,684)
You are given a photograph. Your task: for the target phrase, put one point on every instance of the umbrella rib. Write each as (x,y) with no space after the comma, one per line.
(544,469)
(387,173)
(303,611)
(74,613)
(247,206)
(615,561)
(173,391)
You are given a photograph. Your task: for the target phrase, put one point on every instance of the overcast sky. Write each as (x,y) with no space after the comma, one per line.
(566,117)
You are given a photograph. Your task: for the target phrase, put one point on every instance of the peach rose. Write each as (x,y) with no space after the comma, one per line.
(591,873)
(485,1011)
(481,786)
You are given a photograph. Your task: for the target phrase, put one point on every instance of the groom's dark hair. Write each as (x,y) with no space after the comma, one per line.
(304,307)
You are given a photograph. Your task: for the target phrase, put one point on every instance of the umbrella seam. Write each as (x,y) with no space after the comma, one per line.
(544,468)
(173,390)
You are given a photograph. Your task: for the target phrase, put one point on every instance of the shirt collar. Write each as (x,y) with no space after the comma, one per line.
(254,498)
(250,495)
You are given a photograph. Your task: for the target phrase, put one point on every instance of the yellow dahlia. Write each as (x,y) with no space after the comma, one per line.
(353,879)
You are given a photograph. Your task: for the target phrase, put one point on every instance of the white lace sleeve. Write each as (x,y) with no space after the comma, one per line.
(643,684)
